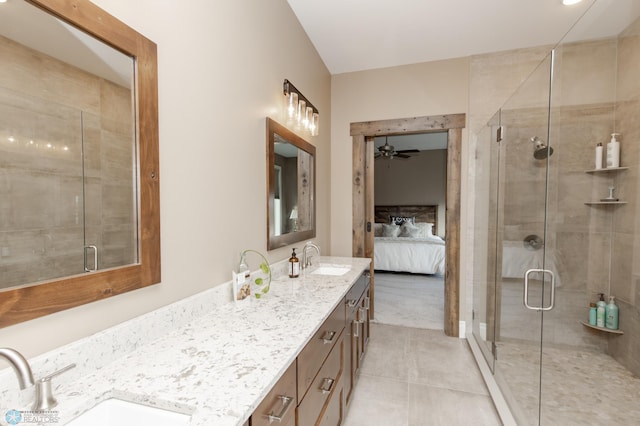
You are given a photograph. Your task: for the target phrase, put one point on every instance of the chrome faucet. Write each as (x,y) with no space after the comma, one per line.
(44,399)
(306,260)
(20,366)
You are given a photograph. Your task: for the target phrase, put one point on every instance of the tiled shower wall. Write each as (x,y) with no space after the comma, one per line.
(625,228)
(66,168)
(595,92)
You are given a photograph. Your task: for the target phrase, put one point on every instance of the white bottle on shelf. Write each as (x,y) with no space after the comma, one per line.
(598,156)
(613,152)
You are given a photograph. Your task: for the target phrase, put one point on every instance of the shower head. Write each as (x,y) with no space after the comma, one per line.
(540,149)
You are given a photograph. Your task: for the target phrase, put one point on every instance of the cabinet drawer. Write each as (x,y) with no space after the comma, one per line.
(325,391)
(313,355)
(354,294)
(280,402)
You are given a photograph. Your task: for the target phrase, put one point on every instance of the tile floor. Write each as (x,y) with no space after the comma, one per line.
(417,377)
(410,300)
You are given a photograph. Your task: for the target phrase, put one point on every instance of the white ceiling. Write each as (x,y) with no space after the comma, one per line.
(355,35)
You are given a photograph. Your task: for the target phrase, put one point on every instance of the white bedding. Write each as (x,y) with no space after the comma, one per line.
(516,260)
(415,255)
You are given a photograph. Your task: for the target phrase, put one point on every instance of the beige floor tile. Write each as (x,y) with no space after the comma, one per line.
(435,406)
(387,352)
(446,362)
(378,401)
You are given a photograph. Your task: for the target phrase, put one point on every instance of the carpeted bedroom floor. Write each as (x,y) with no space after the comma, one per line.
(409,300)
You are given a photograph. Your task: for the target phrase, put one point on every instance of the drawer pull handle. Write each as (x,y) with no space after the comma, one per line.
(286,404)
(356,329)
(362,312)
(327,384)
(328,337)
(351,303)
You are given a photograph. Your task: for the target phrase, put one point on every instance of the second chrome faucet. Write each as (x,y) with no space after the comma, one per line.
(306,259)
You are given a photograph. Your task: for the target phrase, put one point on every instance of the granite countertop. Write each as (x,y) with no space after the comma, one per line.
(219,366)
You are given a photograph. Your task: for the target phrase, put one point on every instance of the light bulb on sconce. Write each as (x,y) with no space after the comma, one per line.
(292,105)
(299,111)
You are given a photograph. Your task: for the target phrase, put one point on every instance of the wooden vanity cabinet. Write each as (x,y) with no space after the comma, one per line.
(279,406)
(357,331)
(320,372)
(319,383)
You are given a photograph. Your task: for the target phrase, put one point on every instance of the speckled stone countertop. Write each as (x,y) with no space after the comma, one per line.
(217,365)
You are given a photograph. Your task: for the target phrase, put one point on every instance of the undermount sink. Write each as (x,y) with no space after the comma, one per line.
(335,270)
(112,412)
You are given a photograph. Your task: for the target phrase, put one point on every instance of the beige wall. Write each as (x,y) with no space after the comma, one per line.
(431,88)
(221,68)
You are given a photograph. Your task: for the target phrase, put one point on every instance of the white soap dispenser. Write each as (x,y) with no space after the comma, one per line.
(613,152)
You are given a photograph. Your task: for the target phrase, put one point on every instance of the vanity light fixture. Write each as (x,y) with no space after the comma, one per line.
(570,2)
(299,110)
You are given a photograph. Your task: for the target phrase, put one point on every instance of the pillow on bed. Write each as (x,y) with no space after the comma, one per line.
(377,229)
(408,229)
(399,220)
(425,230)
(390,230)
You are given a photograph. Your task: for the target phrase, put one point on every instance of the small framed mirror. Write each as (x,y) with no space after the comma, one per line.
(291,189)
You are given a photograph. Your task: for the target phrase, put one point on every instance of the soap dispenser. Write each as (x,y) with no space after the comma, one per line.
(613,152)
(601,311)
(611,321)
(294,265)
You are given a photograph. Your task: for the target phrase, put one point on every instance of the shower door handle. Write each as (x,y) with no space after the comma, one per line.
(95,258)
(526,290)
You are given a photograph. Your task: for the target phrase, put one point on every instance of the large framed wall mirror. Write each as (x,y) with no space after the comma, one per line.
(290,187)
(78,158)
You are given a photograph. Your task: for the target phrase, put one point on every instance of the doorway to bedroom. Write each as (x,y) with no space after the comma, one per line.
(410,173)
(364,153)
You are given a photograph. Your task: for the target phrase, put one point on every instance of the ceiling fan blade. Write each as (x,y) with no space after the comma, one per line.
(402,156)
(404,151)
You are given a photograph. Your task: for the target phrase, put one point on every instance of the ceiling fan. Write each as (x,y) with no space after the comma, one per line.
(389,151)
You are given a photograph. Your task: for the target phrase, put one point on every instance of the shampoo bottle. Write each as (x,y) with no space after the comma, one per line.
(611,320)
(598,156)
(613,152)
(593,314)
(294,265)
(601,311)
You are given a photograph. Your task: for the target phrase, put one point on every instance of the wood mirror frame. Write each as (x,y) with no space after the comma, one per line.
(18,304)
(309,191)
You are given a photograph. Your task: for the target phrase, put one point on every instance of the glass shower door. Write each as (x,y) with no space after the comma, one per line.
(485,221)
(523,283)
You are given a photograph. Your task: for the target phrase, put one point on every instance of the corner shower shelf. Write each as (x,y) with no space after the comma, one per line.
(606,170)
(604,203)
(607,330)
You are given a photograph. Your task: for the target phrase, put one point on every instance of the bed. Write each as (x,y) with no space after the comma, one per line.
(518,257)
(405,242)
